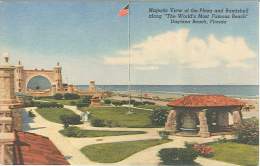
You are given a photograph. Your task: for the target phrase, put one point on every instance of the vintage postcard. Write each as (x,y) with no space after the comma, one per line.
(129,82)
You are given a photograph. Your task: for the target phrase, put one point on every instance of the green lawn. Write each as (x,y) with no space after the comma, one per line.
(236,153)
(53,114)
(99,133)
(153,107)
(64,102)
(149,106)
(118,151)
(118,115)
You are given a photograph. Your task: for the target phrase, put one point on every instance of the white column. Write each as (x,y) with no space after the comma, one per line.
(171,121)
(236,117)
(204,131)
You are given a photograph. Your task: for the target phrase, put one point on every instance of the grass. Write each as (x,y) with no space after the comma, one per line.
(118,115)
(236,153)
(118,151)
(53,114)
(149,106)
(62,101)
(99,133)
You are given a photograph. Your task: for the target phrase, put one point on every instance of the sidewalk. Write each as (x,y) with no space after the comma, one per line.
(70,147)
(41,126)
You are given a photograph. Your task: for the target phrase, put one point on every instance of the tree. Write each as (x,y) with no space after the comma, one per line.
(58,96)
(85,102)
(159,116)
(70,119)
(71,96)
(86,99)
(107,101)
(247,131)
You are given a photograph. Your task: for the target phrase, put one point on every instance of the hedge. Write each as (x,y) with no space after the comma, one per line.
(47,105)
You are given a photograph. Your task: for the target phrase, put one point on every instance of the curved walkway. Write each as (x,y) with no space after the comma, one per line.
(41,126)
(70,147)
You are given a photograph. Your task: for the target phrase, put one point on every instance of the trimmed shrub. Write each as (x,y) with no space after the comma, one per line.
(70,119)
(71,131)
(47,105)
(166,108)
(159,117)
(97,122)
(107,101)
(86,99)
(71,96)
(117,102)
(58,96)
(177,156)
(80,105)
(110,123)
(85,102)
(248,132)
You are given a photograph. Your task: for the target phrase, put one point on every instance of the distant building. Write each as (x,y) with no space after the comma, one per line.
(23,77)
(92,87)
(16,146)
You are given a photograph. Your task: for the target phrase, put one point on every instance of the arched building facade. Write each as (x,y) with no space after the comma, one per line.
(23,77)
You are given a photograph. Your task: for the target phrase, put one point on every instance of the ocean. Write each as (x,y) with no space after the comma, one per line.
(243,91)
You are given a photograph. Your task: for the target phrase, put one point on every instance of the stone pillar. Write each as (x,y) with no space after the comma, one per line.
(19,82)
(7,91)
(58,77)
(53,90)
(236,117)
(204,131)
(17,118)
(7,101)
(92,88)
(171,121)
(222,119)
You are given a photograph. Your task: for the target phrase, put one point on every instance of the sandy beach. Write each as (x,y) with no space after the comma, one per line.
(163,99)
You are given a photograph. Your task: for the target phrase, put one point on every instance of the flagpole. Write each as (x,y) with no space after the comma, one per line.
(129,58)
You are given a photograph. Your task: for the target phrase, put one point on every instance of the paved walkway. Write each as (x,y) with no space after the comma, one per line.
(41,126)
(70,147)
(150,156)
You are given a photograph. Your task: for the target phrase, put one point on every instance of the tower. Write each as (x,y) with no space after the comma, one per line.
(19,77)
(7,90)
(7,102)
(58,77)
(92,87)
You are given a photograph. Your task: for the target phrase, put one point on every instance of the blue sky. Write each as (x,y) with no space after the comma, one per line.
(80,34)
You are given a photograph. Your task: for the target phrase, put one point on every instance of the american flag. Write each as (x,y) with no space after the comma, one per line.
(124,11)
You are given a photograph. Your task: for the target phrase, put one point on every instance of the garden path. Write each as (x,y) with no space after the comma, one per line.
(43,127)
(70,147)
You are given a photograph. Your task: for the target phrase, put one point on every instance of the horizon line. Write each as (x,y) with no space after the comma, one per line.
(177,84)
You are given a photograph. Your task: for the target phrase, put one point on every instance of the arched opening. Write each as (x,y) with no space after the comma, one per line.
(39,83)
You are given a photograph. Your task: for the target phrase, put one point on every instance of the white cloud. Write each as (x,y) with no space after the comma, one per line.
(176,47)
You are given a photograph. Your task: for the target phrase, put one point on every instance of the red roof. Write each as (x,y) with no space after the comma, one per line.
(206,101)
(33,149)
